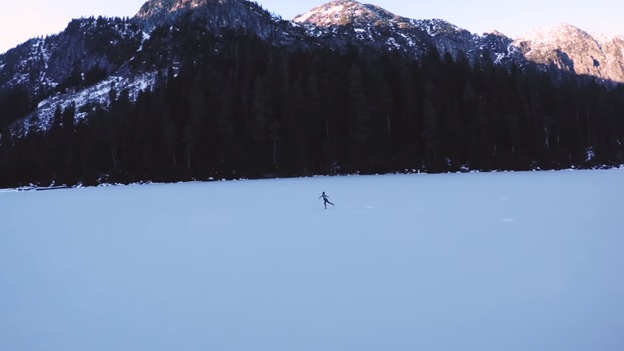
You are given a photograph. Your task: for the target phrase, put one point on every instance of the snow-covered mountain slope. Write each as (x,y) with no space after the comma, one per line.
(94,53)
(90,50)
(561,47)
(213,15)
(85,100)
(573,49)
(370,24)
(44,64)
(344,12)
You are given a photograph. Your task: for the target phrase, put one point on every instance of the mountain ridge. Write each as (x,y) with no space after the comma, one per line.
(117,47)
(561,46)
(576,50)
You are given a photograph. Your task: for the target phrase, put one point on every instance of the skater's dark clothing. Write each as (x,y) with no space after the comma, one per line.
(325,200)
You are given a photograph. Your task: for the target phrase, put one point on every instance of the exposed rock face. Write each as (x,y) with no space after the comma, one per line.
(346,12)
(373,26)
(350,21)
(42,64)
(213,14)
(572,49)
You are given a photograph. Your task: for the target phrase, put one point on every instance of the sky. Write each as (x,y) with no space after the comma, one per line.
(472,262)
(21,20)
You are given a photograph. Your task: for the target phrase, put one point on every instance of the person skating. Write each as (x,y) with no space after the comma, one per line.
(325,200)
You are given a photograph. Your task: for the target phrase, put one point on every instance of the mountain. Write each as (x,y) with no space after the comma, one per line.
(193,89)
(560,48)
(43,64)
(92,55)
(571,49)
(214,15)
(110,52)
(369,24)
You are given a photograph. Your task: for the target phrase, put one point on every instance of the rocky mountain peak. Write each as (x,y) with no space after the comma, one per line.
(160,7)
(555,35)
(573,49)
(158,12)
(345,12)
(495,32)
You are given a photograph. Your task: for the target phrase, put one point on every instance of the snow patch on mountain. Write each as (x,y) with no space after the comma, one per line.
(554,35)
(328,13)
(393,43)
(85,100)
(605,37)
(499,57)
(345,12)
(146,37)
(573,49)
(436,26)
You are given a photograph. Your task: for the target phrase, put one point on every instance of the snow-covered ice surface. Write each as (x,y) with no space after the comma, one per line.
(481,261)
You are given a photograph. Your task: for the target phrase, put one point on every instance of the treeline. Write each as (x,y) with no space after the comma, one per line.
(238,107)
(15,102)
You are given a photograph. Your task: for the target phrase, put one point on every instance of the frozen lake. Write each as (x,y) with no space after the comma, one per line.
(480,261)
